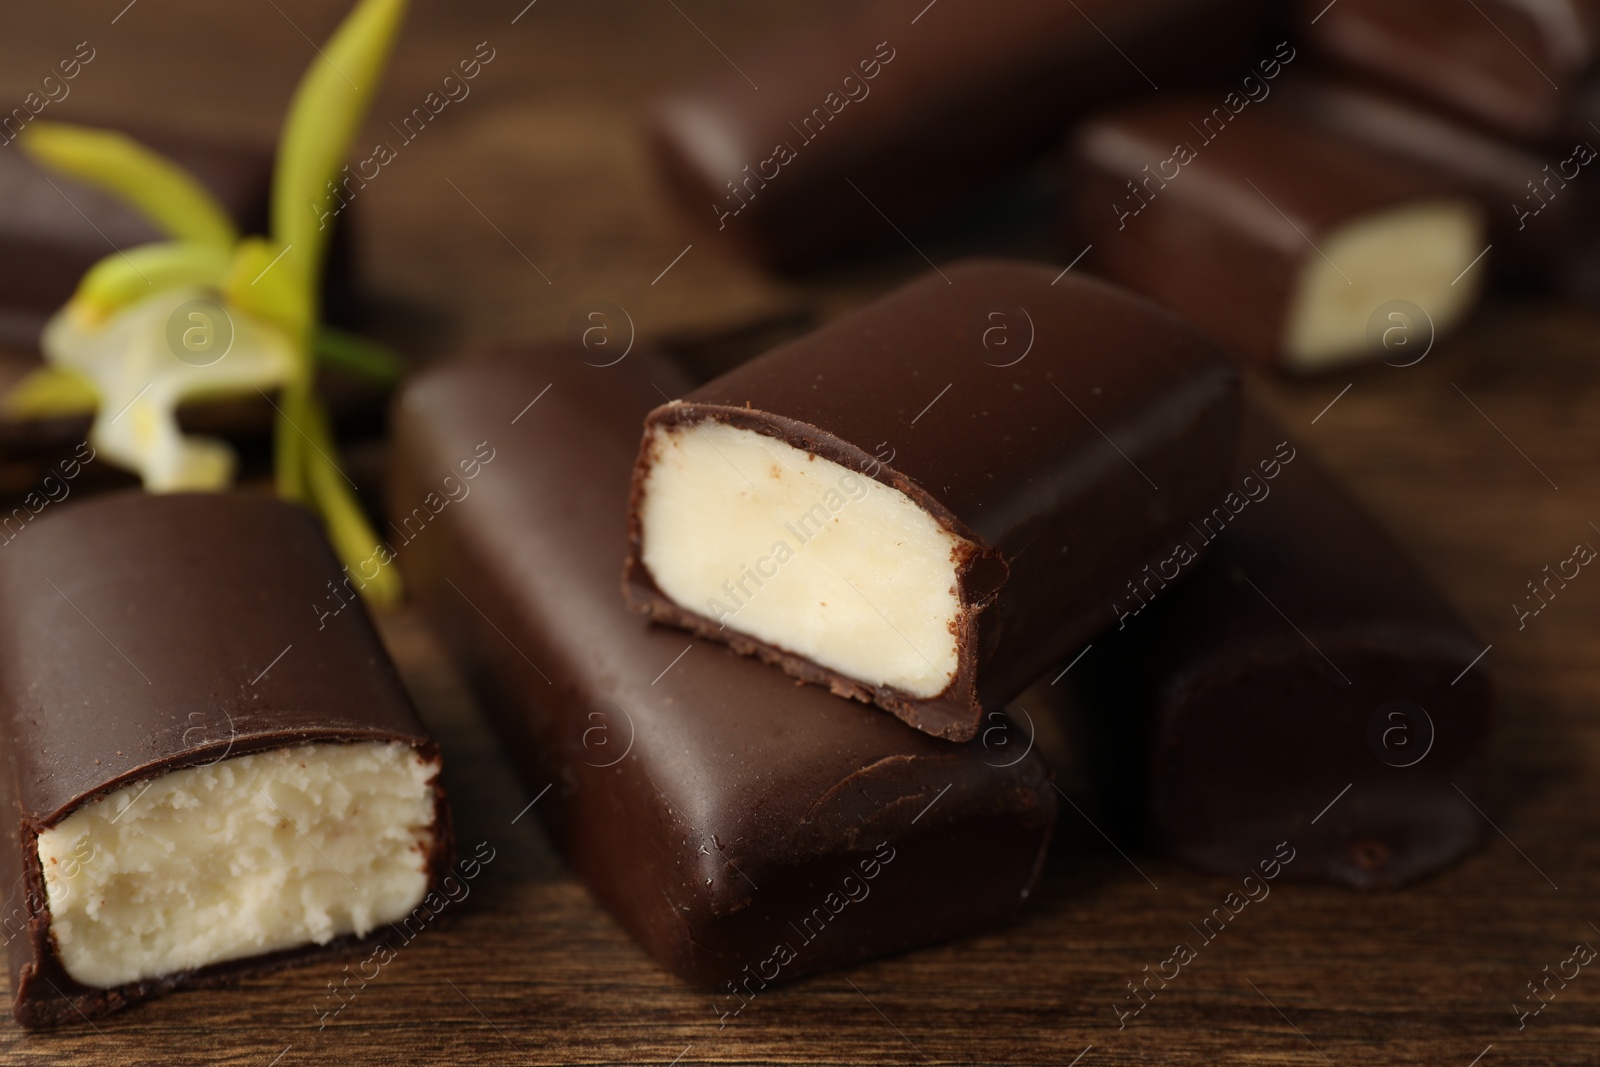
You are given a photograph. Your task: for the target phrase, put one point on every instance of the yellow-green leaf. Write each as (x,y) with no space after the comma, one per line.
(347,527)
(50,392)
(153,185)
(323,118)
(124,278)
(262,280)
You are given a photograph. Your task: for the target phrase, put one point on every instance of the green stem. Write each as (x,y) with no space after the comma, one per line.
(352,536)
(289,442)
(349,352)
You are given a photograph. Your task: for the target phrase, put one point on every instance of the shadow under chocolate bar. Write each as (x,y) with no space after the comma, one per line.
(744,829)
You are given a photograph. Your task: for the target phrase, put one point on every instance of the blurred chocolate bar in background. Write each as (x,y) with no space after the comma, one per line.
(1539,215)
(1281,241)
(844,132)
(1520,67)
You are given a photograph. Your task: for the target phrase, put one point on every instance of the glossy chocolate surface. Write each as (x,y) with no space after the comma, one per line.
(153,633)
(1538,208)
(1064,426)
(1512,65)
(1220,231)
(708,801)
(1306,684)
(917,106)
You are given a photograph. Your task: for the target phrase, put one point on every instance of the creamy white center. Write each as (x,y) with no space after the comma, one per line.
(1415,253)
(802,553)
(247,856)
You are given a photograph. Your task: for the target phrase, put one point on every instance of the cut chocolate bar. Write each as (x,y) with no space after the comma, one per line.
(1516,66)
(1279,240)
(1306,684)
(925,502)
(905,108)
(1537,219)
(206,778)
(745,830)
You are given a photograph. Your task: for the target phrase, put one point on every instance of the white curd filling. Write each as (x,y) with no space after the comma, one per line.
(1416,253)
(244,857)
(802,553)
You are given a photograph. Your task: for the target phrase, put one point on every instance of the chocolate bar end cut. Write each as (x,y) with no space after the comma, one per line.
(1306,684)
(1281,241)
(924,503)
(204,779)
(743,829)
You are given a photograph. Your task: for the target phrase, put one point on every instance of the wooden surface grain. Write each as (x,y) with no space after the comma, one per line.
(531,200)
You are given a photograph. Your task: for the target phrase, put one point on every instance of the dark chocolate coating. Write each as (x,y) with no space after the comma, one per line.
(141,632)
(1537,218)
(1226,731)
(969,92)
(706,800)
(1060,514)
(1224,240)
(1511,65)
(54,228)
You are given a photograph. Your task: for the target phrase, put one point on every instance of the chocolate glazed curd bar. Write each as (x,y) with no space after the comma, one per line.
(1280,241)
(1306,683)
(1536,222)
(926,502)
(203,782)
(918,110)
(743,829)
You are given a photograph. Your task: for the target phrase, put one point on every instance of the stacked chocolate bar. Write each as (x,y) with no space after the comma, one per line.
(902,509)
(1312,191)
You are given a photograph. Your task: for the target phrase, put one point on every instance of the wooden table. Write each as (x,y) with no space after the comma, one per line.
(532,197)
